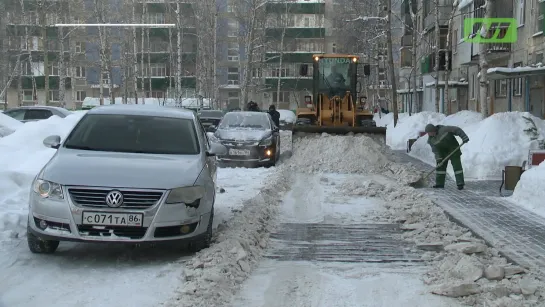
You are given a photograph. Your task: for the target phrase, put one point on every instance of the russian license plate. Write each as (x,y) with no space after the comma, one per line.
(239,152)
(113,219)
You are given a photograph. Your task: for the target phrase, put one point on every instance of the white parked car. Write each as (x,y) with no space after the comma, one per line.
(126,173)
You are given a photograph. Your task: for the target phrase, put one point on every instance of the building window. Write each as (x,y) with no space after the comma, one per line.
(519,11)
(538,24)
(80,47)
(406,57)
(155,94)
(26,69)
(306,22)
(232,28)
(232,94)
(500,88)
(232,52)
(156,18)
(105,78)
(80,95)
(473,86)
(27,95)
(80,72)
(517,83)
(53,69)
(280,72)
(156,70)
(53,95)
(455,41)
(232,76)
(230,7)
(283,97)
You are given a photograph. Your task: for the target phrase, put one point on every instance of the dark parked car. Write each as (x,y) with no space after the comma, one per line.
(251,139)
(34,113)
(210,119)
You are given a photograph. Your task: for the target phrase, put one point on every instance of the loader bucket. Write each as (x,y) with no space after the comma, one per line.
(299,132)
(339,130)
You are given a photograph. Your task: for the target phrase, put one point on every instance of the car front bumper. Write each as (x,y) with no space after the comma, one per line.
(248,152)
(63,220)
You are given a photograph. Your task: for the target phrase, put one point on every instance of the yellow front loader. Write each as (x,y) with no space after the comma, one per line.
(333,107)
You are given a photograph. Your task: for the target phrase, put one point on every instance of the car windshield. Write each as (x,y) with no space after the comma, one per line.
(134,134)
(252,120)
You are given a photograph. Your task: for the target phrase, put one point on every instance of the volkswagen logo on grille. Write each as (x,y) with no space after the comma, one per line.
(114,199)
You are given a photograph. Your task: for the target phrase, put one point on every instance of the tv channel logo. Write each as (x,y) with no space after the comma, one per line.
(497,30)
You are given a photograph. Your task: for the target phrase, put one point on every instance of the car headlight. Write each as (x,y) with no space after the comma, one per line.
(186,195)
(266,142)
(47,189)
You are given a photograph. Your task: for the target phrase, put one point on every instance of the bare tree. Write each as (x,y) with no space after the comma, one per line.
(448,52)
(391,67)
(483,61)
(437,54)
(250,15)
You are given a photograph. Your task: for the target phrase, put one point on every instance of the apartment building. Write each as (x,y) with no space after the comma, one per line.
(510,90)
(295,30)
(52,56)
(292,32)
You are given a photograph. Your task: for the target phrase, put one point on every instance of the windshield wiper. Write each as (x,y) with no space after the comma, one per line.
(81,147)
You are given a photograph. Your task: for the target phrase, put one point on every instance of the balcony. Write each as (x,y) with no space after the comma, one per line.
(289,84)
(290,57)
(314,7)
(427,64)
(275,33)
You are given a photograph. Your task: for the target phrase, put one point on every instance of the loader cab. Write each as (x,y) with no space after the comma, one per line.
(332,75)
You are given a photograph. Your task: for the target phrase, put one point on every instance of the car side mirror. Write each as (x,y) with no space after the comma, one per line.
(276,129)
(216,150)
(52,141)
(211,128)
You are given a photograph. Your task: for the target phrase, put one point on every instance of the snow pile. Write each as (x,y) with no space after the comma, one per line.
(462,265)
(530,190)
(8,125)
(215,274)
(383,120)
(345,154)
(22,156)
(494,142)
(287,116)
(408,128)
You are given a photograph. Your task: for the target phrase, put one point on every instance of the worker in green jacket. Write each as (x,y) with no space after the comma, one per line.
(443,142)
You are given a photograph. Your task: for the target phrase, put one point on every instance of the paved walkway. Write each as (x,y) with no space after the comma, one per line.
(517,233)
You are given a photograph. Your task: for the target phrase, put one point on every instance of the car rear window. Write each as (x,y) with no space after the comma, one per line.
(135,134)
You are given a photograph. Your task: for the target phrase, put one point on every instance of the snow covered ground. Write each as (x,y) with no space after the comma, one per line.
(89,274)
(316,199)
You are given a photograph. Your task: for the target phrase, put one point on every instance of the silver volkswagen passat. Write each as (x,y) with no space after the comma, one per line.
(126,173)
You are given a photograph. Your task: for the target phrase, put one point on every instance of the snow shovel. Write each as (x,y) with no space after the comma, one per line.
(423,181)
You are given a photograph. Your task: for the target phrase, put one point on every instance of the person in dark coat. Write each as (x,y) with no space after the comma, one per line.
(252,106)
(443,142)
(275,115)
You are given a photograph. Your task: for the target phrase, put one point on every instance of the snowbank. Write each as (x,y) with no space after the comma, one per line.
(287,116)
(530,190)
(383,120)
(495,142)
(8,125)
(408,127)
(22,156)
(212,277)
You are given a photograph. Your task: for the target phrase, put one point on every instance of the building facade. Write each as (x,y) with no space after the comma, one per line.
(62,66)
